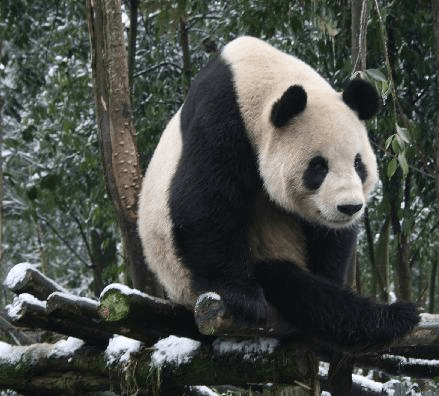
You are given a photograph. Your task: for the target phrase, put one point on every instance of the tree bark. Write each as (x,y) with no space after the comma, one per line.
(117,133)
(132,38)
(382,260)
(435,22)
(184,42)
(358,31)
(403,256)
(1,171)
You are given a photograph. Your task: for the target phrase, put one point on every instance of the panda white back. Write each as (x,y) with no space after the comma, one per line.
(155,228)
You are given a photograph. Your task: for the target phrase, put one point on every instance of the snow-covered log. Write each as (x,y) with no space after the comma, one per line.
(25,278)
(29,312)
(125,311)
(172,363)
(141,316)
(63,368)
(401,365)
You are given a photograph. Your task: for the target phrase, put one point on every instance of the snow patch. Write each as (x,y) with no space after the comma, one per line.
(367,383)
(15,310)
(173,351)
(65,347)
(119,349)
(9,353)
(250,349)
(75,298)
(17,274)
(124,290)
(403,361)
(13,354)
(323,369)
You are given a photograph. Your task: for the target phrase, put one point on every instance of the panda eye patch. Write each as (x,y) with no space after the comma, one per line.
(360,168)
(315,172)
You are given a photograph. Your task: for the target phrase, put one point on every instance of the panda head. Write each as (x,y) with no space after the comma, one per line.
(317,161)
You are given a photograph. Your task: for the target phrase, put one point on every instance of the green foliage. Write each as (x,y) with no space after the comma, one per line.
(54,187)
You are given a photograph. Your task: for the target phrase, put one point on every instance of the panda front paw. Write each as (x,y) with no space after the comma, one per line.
(402,318)
(391,323)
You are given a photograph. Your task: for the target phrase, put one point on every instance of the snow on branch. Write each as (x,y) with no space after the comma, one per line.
(25,278)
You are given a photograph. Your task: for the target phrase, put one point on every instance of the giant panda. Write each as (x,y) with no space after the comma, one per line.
(255,191)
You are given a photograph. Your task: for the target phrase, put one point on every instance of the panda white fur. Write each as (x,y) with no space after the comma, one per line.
(254,192)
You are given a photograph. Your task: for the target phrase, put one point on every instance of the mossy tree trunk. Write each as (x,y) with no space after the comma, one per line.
(116,128)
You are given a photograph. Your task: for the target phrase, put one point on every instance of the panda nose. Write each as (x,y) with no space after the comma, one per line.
(349,209)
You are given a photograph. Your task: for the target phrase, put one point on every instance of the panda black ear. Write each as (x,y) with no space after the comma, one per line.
(292,102)
(363,98)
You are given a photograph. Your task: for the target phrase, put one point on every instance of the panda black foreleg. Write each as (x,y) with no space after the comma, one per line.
(330,312)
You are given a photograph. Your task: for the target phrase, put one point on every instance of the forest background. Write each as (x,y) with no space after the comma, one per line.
(55,209)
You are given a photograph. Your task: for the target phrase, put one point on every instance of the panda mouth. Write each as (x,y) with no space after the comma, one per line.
(339,223)
(344,223)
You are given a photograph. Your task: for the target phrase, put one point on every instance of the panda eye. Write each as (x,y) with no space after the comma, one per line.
(315,173)
(360,168)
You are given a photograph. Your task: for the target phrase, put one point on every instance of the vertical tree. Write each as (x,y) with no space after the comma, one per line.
(117,134)
(435,22)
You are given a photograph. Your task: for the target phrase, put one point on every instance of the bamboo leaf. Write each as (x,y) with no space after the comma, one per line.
(403,133)
(376,74)
(403,163)
(391,168)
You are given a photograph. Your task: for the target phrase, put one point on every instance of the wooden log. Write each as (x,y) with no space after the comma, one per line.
(25,278)
(27,311)
(16,334)
(54,369)
(169,364)
(139,315)
(67,303)
(400,365)
(426,333)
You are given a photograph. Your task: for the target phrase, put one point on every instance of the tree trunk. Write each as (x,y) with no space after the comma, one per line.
(134,6)
(117,134)
(359,29)
(403,257)
(435,15)
(1,172)
(358,51)
(184,42)
(432,295)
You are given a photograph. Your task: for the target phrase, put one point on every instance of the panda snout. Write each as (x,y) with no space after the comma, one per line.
(349,210)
